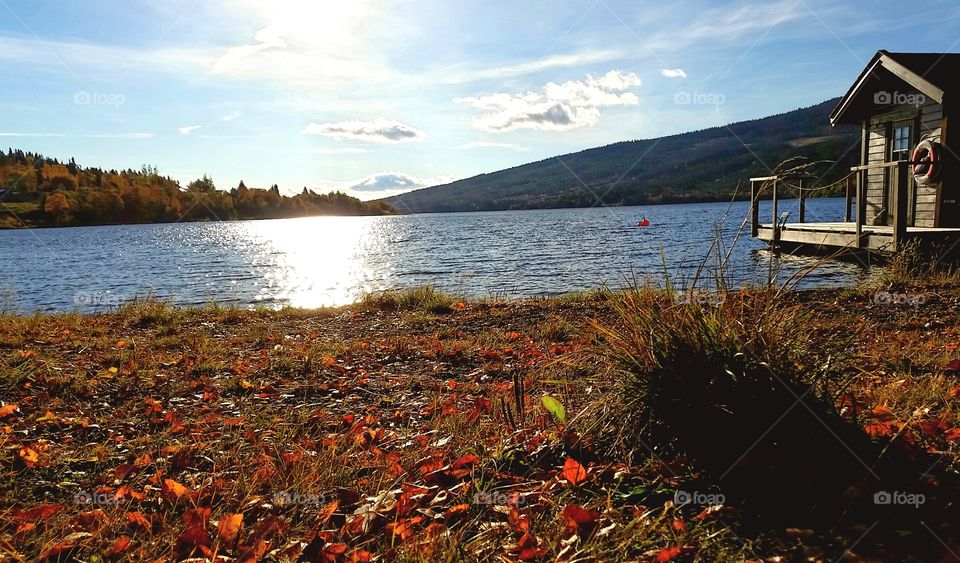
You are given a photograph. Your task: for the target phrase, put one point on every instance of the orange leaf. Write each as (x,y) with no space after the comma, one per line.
(573,472)
(668,554)
(30,456)
(173,491)
(883,414)
(192,540)
(120,546)
(7,410)
(579,519)
(137,521)
(197,517)
(465,462)
(37,513)
(327,512)
(229,528)
(878,429)
(454,513)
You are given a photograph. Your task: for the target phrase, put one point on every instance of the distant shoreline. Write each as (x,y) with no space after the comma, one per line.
(398,213)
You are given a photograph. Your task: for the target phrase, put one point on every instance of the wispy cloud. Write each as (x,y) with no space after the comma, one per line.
(673,72)
(230,116)
(490,145)
(559,107)
(376,131)
(188,129)
(306,41)
(344,150)
(132,136)
(530,67)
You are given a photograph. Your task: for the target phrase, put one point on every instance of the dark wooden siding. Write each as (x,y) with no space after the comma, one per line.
(928,118)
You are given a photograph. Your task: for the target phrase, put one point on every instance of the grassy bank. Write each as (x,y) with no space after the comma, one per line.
(415,426)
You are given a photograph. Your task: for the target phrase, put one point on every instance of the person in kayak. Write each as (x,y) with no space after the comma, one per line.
(643,222)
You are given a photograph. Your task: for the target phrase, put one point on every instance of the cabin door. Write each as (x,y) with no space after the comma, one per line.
(901,142)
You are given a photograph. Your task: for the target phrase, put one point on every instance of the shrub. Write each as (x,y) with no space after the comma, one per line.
(718,381)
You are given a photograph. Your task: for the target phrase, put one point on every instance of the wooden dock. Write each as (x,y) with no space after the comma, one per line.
(831,236)
(853,233)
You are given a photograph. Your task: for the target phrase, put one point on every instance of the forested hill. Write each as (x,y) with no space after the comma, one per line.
(699,166)
(39,191)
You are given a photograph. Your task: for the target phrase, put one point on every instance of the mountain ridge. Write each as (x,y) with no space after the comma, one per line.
(701,165)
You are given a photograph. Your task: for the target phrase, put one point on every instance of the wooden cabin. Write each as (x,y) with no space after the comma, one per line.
(907,185)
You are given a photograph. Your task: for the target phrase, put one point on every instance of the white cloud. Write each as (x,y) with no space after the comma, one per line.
(376,131)
(383,184)
(188,129)
(559,107)
(388,181)
(490,145)
(231,116)
(673,72)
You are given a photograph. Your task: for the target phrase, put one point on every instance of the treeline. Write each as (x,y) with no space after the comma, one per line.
(40,191)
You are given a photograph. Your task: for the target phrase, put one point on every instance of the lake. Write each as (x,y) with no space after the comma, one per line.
(319,261)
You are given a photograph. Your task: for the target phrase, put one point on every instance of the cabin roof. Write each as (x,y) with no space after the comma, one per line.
(931,74)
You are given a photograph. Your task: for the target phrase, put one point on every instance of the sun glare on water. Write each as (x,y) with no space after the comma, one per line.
(314,262)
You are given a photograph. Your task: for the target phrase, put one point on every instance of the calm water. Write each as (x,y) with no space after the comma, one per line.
(331,260)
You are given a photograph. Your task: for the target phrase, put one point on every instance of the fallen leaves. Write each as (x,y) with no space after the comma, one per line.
(578,520)
(7,410)
(573,472)
(228,529)
(173,491)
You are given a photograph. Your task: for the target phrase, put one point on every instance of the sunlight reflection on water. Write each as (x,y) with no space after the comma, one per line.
(317,261)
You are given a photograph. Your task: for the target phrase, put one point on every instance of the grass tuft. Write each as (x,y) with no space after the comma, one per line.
(424,298)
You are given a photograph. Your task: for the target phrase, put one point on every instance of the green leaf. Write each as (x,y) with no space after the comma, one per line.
(554,407)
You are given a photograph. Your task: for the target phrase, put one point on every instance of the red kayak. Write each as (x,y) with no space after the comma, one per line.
(643,223)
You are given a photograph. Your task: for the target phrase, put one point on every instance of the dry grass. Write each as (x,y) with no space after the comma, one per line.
(371,430)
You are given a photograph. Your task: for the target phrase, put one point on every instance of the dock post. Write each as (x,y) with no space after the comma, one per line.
(851,185)
(754,210)
(773,202)
(776,225)
(900,207)
(803,203)
(861,207)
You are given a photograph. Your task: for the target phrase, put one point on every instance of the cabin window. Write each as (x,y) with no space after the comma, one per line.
(900,148)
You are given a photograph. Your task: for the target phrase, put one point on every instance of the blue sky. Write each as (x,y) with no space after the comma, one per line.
(376,97)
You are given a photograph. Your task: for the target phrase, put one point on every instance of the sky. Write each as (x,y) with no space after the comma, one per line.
(377,97)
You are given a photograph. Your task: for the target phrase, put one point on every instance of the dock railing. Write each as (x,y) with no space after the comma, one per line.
(759,185)
(856,188)
(897,173)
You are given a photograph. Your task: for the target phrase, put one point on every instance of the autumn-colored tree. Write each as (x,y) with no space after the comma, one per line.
(57,206)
